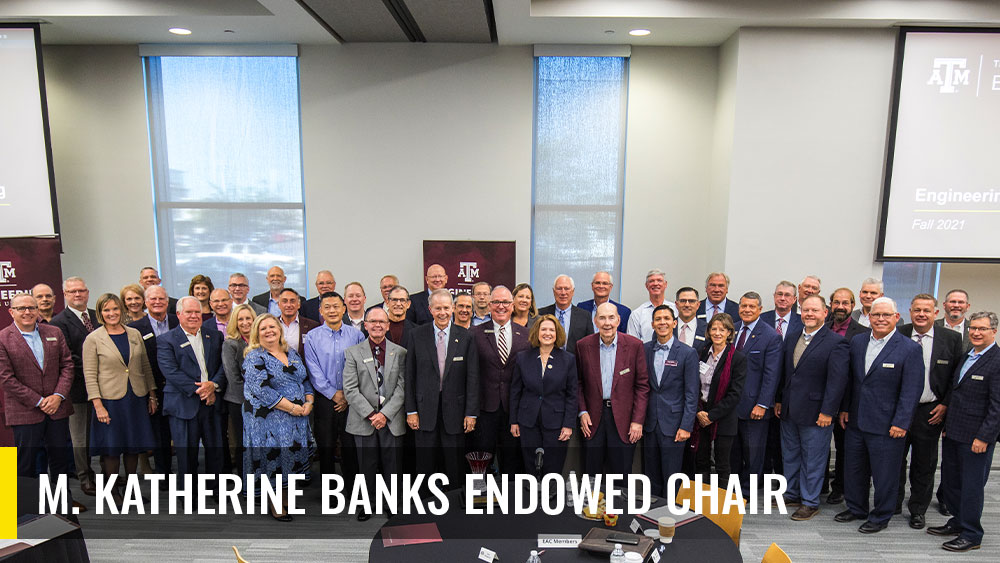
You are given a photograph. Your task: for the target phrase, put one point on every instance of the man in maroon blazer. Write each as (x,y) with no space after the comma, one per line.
(498,342)
(614,390)
(36,373)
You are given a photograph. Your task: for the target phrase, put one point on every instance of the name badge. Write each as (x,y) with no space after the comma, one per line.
(148,336)
(670,363)
(185,345)
(51,339)
(888,366)
(489,331)
(458,358)
(624,371)
(976,377)
(701,316)
(368,360)
(703,368)
(942,362)
(702,338)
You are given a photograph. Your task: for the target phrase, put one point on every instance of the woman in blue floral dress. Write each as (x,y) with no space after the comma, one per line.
(279,398)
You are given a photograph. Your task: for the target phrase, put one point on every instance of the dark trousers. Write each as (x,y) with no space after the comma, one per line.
(49,435)
(379,449)
(329,428)
(606,445)
(837,477)
(722,447)
(205,428)
(235,412)
(662,457)
(438,443)
(163,451)
(493,435)
(534,437)
(963,480)
(748,450)
(871,458)
(922,443)
(773,462)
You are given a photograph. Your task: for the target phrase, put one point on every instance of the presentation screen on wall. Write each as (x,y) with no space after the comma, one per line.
(941,197)
(25,192)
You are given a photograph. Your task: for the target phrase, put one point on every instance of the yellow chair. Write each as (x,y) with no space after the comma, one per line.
(731,522)
(238,558)
(775,554)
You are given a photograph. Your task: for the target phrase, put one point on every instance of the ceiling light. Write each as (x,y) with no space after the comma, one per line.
(639,32)
(179,31)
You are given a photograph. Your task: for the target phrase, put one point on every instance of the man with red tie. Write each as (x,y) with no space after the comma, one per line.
(614,392)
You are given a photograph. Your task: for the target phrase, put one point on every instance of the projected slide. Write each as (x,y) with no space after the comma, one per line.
(25,195)
(943,189)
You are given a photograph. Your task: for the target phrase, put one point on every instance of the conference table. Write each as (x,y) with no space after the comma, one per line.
(69,547)
(513,537)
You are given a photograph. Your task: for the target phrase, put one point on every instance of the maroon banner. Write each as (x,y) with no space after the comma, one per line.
(24,263)
(470,261)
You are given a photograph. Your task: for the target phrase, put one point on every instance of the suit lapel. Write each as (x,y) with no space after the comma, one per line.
(366,354)
(20,343)
(450,354)
(619,362)
(816,340)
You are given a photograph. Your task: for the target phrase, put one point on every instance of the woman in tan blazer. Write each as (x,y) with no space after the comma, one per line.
(119,384)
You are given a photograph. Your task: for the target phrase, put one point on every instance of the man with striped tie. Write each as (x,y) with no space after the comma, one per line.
(498,342)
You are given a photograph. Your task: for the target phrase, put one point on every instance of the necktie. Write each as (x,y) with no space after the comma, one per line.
(715,310)
(920,339)
(743,339)
(562,317)
(379,377)
(684,335)
(86,322)
(442,351)
(502,346)
(780,322)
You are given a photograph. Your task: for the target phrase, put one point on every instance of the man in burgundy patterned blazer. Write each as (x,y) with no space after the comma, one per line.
(36,373)
(614,392)
(498,342)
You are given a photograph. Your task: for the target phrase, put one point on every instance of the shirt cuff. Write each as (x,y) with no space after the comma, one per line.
(61,396)
(581,413)
(39,403)
(409,413)
(763,406)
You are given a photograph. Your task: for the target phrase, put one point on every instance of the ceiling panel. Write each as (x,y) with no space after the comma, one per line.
(358,21)
(451,21)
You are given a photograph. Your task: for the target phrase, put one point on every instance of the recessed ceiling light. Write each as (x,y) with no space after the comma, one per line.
(639,32)
(179,31)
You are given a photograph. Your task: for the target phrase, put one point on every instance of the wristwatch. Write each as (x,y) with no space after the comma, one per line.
(216,387)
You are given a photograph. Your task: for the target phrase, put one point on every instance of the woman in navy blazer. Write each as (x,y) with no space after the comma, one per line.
(543,400)
(716,416)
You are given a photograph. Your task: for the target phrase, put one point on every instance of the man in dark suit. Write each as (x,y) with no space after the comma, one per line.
(190,360)
(293,324)
(275,283)
(784,317)
(942,352)
(956,305)
(325,283)
(690,329)
(716,300)
(239,287)
(886,379)
(157,322)
(419,312)
(815,377)
(971,431)
(602,285)
(576,322)
(497,343)
(442,389)
(77,321)
(385,285)
(36,373)
(762,347)
(840,321)
(871,289)
(614,393)
(148,277)
(673,399)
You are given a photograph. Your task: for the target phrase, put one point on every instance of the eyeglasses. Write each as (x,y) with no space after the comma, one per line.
(75,291)
(398,300)
(687,301)
(377,322)
(31,309)
(881,315)
(239,285)
(502,303)
(980,329)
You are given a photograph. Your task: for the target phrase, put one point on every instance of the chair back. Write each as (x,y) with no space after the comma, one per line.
(731,522)
(238,558)
(775,554)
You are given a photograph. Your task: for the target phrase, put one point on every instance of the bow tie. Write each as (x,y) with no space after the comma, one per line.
(663,347)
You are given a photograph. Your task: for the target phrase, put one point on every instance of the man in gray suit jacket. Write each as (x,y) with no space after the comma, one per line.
(374,372)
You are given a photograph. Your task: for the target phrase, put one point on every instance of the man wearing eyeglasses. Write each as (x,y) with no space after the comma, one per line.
(498,342)
(690,329)
(419,312)
(239,288)
(77,321)
(886,380)
(602,285)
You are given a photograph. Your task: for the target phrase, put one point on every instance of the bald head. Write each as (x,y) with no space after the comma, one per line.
(436,277)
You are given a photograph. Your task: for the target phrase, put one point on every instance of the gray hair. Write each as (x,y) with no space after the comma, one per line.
(655,272)
(325,272)
(888,300)
(441,294)
(145,293)
(395,287)
(713,274)
(479,283)
(755,296)
(572,285)
(238,275)
(819,281)
(985,315)
(874,281)
(786,283)
(73,279)
(185,299)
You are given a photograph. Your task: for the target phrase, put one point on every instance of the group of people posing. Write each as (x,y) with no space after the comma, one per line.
(416,382)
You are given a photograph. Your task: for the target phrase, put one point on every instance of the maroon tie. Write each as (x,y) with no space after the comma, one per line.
(780,321)
(86,322)
(743,339)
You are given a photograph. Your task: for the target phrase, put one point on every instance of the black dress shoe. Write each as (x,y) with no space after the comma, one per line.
(363,516)
(959,544)
(835,498)
(945,530)
(88,488)
(917,521)
(943,510)
(846,516)
(870,527)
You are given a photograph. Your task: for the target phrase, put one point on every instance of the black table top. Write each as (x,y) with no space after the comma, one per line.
(513,537)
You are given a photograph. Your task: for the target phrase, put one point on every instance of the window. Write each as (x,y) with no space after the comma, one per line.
(578,169)
(902,280)
(227,168)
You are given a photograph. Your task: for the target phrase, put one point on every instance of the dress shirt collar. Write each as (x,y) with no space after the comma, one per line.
(294,321)
(809,335)
(884,339)
(665,346)
(928,334)
(196,334)
(751,326)
(566,310)
(614,341)
(975,355)
(32,332)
